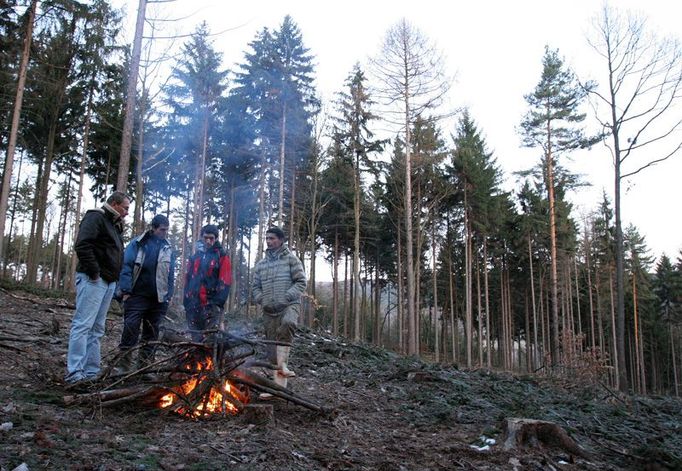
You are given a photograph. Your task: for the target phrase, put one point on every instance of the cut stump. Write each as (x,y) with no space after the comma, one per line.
(534,433)
(257,414)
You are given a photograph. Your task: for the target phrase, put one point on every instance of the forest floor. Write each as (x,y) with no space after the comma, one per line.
(390,413)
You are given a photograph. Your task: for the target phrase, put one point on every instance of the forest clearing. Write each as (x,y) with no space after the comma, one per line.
(390,413)
(448,312)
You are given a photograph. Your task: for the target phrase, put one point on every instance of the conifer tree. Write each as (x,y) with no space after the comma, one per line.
(553,124)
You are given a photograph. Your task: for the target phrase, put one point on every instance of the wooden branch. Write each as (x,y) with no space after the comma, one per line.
(265,385)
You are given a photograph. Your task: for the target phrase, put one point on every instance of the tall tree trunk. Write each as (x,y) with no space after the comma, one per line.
(282,153)
(127,135)
(401,320)
(138,215)
(335,285)
(409,248)
(532,298)
(577,296)
(614,335)
(81,184)
(356,247)
(14,130)
(434,280)
(487,303)
(479,313)
(261,207)
(453,318)
(556,360)
(199,176)
(468,283)
(13,213)
(673,355)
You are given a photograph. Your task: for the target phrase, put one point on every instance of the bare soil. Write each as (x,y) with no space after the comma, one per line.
(390,413)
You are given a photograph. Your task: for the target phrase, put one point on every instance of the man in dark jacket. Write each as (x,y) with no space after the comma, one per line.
(99,246)
(146,285)
(207,284)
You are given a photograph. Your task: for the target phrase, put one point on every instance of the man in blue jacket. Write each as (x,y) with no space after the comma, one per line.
(99,247)
(146,284)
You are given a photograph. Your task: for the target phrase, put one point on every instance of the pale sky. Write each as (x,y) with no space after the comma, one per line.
(493,48)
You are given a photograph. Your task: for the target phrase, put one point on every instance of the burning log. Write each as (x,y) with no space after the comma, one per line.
(196,380)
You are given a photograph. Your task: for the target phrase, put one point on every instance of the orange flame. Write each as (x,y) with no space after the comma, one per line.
(211,403)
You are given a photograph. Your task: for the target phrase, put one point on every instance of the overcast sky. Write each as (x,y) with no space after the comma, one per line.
(493,48)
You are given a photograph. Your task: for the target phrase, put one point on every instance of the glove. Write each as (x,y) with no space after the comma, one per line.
(274,307)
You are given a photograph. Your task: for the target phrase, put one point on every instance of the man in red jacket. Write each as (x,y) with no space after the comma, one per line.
(208,277)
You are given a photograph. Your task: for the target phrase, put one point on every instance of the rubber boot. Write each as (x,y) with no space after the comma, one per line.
(283,362)
(125,364)
(267,396)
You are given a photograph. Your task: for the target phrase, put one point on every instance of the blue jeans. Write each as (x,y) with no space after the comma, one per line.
(87,328)
(146,311)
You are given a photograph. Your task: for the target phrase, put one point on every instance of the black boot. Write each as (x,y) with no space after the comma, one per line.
(125,363)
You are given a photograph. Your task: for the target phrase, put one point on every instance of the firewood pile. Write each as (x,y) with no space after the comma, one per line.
(218,377)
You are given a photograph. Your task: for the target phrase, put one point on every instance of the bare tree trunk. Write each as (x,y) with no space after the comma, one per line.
(282,153)
(554,282)
(532,297)
(672,351)
(468,284)
(616,358)
(356,247)
(14,130)
(127,136)
(81,183)
(13,213)
(200,169)
(409,271)
(345,296)
(453,321)
(487,303)
(434,280)
(401,323)
(261,208)
(138,215)
(335,285)
(479,314)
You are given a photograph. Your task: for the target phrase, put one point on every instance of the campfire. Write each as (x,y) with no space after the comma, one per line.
(195,380)
(205,393)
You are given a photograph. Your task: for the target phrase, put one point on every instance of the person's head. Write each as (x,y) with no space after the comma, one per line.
(209,234)
(160,225)
(120,202)
(274,238)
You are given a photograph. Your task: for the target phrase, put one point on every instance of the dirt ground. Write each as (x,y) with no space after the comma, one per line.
(390,413)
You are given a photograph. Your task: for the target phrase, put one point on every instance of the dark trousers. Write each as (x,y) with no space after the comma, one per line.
(145,311)
(201,318)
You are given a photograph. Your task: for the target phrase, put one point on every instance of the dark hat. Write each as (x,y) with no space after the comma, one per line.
(210,229)
(277,231)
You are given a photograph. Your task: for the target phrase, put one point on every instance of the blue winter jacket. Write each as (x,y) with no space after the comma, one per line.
(133,259)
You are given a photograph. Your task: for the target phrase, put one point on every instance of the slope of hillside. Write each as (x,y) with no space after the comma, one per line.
(390,413)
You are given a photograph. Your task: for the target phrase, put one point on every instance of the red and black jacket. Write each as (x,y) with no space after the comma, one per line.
(208,277)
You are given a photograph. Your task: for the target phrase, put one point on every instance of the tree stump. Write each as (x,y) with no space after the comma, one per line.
(258,414)
(534,433)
